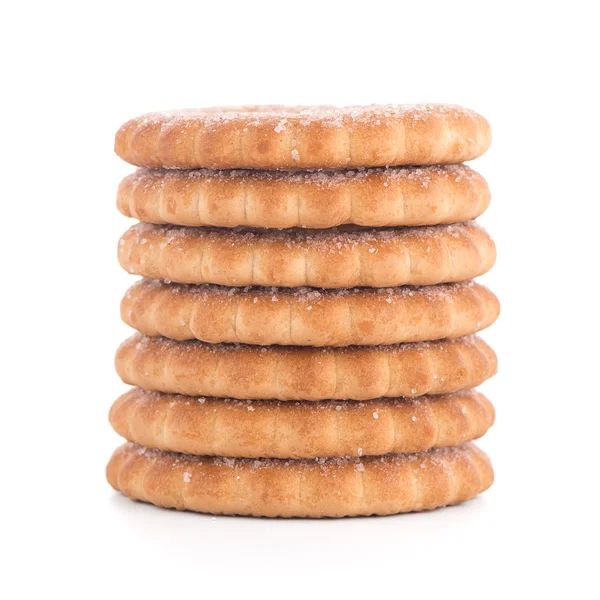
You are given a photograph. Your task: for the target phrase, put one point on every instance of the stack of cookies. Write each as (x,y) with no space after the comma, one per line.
(306,319)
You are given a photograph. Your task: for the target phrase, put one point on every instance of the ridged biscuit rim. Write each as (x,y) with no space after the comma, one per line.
(276,137)
(327,258)
(239,371)
(405,196)
(306,316)
(274,429)
(301,488)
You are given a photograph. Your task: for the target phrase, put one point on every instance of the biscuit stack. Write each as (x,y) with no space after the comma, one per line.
(306,323)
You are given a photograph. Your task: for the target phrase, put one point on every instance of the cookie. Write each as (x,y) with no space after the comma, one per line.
(294,373)
(332,258)
(306,316)
(334,487)
(318,137)
(274,429)
(373,197)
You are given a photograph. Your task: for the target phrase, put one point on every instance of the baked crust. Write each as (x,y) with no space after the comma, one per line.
(332,258)
(308,317)
(294,373)
(301,488)
(374,197)
(319,137)
(274,429)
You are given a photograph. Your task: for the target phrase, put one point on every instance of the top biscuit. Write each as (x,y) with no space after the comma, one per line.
(292,138)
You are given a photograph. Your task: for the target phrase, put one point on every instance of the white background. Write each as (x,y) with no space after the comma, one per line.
(72,72)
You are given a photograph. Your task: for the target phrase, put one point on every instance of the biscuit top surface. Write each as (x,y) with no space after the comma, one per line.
(305,293)
(344,234)
(437,457)
(330,115)
(423,175)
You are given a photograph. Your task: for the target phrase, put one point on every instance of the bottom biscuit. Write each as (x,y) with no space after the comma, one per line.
(301,488)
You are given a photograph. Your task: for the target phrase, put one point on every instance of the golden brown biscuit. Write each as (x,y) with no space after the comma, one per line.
(306,316)
(372,197)
(334,487)
(327,258)
(295,373)
(274,429)
(319,137)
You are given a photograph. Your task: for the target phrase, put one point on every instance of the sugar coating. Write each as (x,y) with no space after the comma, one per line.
(438,457)
(304,295)
(160,345)
(144,396)
(279,118)
(154,178)
(336,239)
